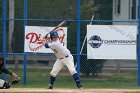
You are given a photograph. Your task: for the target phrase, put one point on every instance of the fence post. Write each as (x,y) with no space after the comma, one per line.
(25,23)
(78,37)
(4,34)
(139,44)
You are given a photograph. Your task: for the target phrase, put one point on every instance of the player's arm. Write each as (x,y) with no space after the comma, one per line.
(2,68)
(49,45)
(6,71)
(16,79)
(46,44)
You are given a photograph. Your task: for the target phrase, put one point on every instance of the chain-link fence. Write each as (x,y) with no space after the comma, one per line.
(34,68)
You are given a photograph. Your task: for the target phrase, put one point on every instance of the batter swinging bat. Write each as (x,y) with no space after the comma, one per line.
(59,25)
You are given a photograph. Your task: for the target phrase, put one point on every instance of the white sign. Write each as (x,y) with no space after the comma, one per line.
(111,41)
(34,35)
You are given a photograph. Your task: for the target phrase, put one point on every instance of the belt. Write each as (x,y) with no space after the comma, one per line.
(65,57)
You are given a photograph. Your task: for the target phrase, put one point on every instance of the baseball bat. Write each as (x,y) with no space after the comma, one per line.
(59,25)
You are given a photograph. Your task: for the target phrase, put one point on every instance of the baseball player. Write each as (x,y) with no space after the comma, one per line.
(5,84)
(64,57)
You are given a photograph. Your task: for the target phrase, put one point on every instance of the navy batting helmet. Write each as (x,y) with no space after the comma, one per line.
(53,34)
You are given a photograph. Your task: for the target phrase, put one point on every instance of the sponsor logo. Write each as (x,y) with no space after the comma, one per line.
(95,42)
(35,40)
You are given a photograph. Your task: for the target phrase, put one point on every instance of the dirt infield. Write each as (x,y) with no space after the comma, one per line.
(41,90)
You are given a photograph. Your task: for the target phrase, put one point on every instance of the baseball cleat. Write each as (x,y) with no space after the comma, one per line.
(50,87)
(80,86)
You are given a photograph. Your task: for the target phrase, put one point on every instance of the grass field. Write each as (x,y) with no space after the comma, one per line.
(39,78)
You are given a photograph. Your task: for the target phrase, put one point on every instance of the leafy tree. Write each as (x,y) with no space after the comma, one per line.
(102,10)
(60,10)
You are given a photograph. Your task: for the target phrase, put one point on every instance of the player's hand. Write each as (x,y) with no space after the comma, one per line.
(47,36)
(44,42)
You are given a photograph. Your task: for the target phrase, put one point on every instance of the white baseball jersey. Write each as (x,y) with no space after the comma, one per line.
(64,58)
(59,50)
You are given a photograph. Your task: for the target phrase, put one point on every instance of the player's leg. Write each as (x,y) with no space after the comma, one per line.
(4,84)
(70,65)
(77,80)
(56,68)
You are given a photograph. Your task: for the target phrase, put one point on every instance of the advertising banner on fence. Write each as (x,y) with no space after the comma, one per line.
(34,35)
(111,41)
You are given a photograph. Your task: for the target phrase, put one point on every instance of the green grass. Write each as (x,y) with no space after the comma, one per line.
(40,78)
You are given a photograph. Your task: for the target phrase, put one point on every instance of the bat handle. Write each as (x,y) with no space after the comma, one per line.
(46,35)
